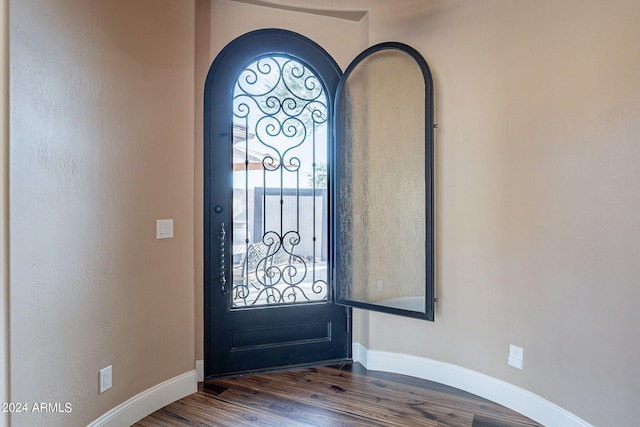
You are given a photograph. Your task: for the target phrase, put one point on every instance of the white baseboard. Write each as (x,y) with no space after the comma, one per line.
(149,401)
(528,404)
(200,370)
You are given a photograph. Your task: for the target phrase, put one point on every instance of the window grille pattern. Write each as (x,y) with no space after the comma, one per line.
(280,146)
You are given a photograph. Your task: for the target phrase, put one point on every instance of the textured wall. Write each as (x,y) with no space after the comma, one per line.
(101,147)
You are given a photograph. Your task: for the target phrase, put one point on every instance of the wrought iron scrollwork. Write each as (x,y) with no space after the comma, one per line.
(280,104)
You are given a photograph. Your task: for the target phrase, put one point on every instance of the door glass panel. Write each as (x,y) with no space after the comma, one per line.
(280,150)
(383,171)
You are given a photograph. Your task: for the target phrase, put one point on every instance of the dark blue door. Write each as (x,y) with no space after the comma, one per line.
(268,253)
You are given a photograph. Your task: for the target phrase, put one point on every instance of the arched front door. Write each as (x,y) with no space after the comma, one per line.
(268,118)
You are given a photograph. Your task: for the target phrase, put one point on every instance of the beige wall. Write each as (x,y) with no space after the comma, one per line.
(101,146)
(229,20)
(538,238)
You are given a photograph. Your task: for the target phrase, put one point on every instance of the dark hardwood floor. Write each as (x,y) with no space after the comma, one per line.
(344,395)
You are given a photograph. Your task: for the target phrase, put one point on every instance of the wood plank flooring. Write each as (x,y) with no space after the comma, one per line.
(341,395)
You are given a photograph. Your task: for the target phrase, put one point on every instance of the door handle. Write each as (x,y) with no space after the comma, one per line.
(222,278)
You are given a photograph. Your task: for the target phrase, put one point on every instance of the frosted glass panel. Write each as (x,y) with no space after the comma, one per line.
(381,257)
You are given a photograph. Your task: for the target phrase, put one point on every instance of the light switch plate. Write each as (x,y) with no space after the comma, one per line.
(106,378)
(164,229)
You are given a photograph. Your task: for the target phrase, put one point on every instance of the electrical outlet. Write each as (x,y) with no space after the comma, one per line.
(106,378)
(516,356)
(515,351)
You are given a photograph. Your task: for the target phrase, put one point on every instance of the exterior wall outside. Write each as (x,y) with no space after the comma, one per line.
(101,146)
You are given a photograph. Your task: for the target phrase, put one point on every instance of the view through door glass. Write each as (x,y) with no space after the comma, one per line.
(280,206)
(268,108)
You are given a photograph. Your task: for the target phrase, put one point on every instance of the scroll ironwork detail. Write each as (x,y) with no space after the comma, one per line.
(280,114)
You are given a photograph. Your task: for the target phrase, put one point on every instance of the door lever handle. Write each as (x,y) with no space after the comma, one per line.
(222,278)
